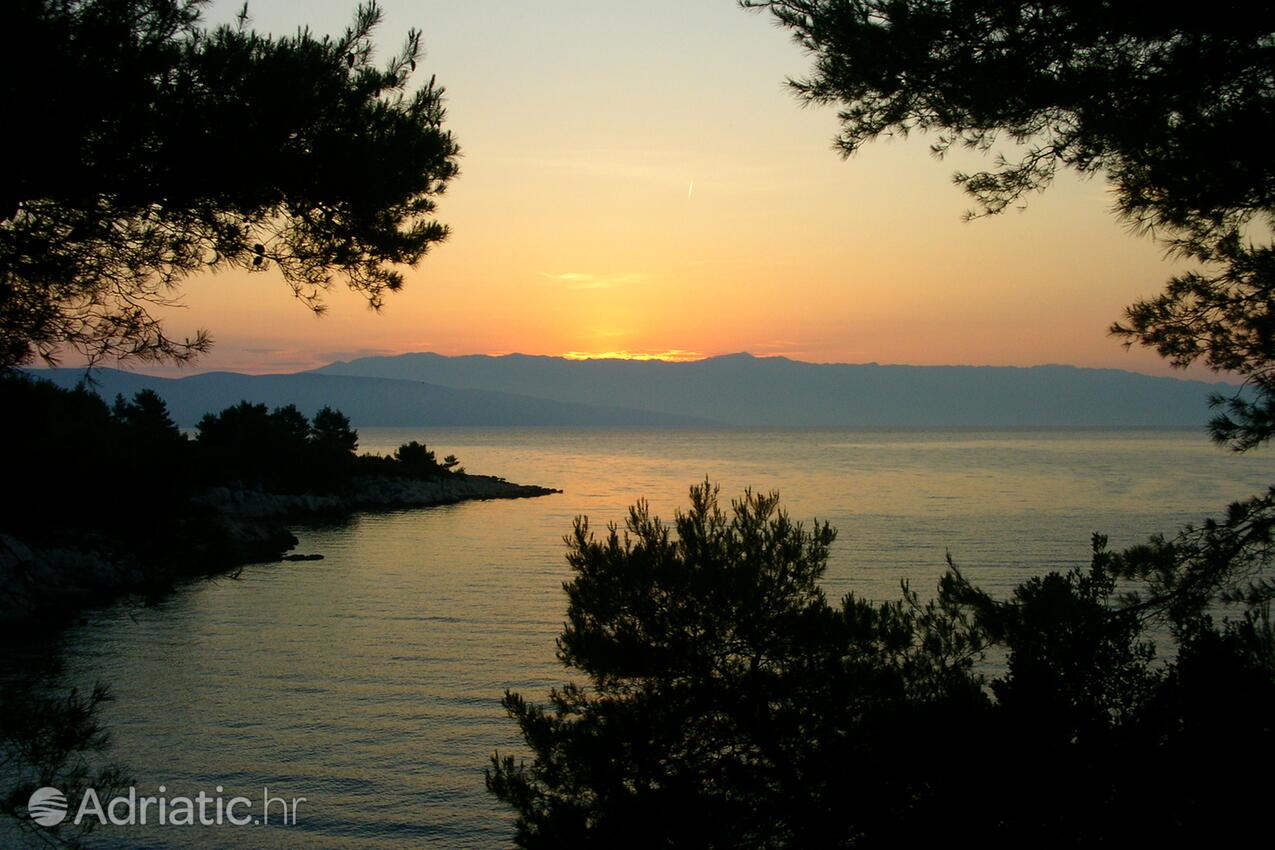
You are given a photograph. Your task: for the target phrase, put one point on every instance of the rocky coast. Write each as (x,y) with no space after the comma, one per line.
(46,582)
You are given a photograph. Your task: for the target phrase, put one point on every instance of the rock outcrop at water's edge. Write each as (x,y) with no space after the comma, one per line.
(47,582)
(364,494)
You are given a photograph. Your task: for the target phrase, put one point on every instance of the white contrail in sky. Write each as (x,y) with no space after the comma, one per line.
(690,191)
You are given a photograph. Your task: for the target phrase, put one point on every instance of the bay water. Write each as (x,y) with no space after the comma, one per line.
(368,683)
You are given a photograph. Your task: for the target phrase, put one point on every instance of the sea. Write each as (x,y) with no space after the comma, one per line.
(362,691)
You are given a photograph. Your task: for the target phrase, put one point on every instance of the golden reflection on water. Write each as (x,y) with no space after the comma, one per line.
(369,682)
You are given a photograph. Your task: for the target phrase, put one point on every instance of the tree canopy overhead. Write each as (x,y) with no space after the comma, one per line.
(151,148)
(1174,105)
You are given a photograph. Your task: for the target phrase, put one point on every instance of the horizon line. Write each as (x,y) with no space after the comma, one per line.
(187,371)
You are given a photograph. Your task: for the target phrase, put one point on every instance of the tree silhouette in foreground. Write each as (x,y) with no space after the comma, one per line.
(1172,105)
(53,740)
(729,704)
(145,148)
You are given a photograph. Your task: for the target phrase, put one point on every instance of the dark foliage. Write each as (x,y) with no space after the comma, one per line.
(71,461)
(331,434)
(249,444)
(1172,106)
(126,473)
(415,459)
(144,148)
(283,452)
(728,704)
(52,739)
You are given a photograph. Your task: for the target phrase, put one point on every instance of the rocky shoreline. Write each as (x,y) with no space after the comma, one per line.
(364,494)
(45,583)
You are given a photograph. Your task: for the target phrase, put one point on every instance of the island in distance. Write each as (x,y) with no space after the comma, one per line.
(737,390)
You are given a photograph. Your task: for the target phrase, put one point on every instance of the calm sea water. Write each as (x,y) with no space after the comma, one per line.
(369,682)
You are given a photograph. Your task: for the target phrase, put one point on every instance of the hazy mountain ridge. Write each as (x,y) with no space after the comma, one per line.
(744,390)
(735,390)
(367,401)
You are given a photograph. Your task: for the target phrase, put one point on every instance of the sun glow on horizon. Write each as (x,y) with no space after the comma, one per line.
(672,355)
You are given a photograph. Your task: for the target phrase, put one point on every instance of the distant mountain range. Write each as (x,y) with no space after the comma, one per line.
(367,401)
(743,390)
(733,390)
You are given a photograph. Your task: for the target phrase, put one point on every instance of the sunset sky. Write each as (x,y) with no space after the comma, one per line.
(637,178)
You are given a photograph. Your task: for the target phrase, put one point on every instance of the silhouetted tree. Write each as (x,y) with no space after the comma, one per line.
(47,740)
(147,417)
(48,438)
(729,705)
(235,427)
(255,446)
(416,460)
(725,692)
(1172,106)
(237,444)
(290,427)
(144,148)
(331,434)
(281,450)
(330,452)
(151,451)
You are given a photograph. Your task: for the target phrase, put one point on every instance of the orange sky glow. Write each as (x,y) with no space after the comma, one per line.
(636,181)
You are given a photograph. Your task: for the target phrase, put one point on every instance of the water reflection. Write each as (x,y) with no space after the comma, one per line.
(369,682)
(53,745)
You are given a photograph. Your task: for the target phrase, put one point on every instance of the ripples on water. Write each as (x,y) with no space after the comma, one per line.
(369,682)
